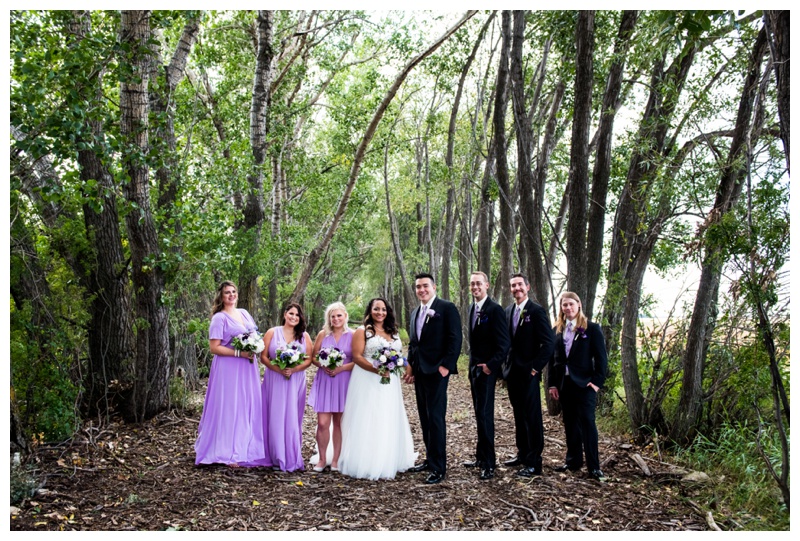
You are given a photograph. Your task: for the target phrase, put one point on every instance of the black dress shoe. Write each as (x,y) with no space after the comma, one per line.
(529,471)
(486,473)
(597,474)
(473,464)
(423,466)
(434,477)
(564,467)
(513,462)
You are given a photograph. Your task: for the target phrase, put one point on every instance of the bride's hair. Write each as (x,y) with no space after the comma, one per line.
(389,324)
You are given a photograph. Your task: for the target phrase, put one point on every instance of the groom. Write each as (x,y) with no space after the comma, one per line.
(434,346)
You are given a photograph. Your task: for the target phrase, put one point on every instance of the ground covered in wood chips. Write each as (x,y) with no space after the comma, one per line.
(123,477)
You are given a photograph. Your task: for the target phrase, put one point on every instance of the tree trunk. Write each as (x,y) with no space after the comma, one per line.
(602,163)
(505,238)
(705,308)
(111,335)
(777,24)
(150,394)
(162,104)
(543,270)
(579,156)
(254,211)
(408,291)
(316,253)
(665,90)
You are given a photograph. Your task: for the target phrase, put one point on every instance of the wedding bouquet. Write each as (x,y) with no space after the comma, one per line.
(251,341)
(289,356)
(388,361)
(330,358)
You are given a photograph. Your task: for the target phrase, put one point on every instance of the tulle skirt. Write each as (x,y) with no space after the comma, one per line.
(376,436)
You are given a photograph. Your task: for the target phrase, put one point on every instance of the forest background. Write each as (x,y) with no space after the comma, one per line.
(330,155)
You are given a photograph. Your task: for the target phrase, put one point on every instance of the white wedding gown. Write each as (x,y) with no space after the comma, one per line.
(376,437)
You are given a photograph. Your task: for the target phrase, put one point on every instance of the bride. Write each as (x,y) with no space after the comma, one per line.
(376,437)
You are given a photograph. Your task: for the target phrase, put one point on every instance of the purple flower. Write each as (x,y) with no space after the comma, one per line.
(581,332)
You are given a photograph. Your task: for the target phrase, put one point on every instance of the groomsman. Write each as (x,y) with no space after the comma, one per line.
(532,343)
(488,349)
(578,372)
(434,346)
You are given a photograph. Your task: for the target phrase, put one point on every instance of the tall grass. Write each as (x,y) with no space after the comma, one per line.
(744,491)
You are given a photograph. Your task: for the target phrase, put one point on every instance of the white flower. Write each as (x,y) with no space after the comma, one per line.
(382,358)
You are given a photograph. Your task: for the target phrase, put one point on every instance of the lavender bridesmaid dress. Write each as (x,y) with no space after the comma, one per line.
(327,394)
(284,401)
(231,429)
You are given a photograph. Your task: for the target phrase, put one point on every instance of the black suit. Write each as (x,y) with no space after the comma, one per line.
(488,344)
(587,362)
(531,349)
(438,345)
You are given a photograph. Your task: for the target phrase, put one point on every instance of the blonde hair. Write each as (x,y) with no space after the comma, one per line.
(580,320)
(330,308)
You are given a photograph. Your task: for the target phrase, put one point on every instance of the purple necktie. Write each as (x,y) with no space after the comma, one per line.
(515,323)
(569,334)
(421,319)
(475,316)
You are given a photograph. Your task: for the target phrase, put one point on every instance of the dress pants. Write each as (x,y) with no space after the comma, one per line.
(483,387)
(526,401)
(431,393)
(578,407)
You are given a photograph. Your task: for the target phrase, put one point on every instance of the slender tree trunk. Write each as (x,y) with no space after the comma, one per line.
(777,24)
(705,308)
(579,156)
(254,211)
(543,270)
(152,340)
(665,90)
(316,253)
(408,291)
(602,163)
(505,240)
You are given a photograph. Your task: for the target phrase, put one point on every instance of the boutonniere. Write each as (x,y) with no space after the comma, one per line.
(523,318)
(431,314)
(581,333)
(482,317)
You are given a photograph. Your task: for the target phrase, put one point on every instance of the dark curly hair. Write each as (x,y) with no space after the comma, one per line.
(300,328)
(389,324)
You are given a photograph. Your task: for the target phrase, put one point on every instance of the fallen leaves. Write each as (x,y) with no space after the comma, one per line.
(143,477)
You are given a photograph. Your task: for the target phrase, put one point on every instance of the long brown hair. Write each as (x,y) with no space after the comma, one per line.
(300,328)
(389,324)
(580,320)
(218,303)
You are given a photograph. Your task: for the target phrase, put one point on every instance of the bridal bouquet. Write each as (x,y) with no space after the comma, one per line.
(330,358)
(388,361)
(251,341)
(289,356)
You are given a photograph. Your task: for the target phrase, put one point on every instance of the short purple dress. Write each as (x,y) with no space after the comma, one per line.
(284,401)
(231,428)
(327,393)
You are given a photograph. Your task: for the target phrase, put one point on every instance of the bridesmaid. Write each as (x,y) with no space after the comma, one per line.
(330,386)
(284,392)
(230,431)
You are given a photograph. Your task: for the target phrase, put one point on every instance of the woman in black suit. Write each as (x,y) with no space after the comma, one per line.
(577,373)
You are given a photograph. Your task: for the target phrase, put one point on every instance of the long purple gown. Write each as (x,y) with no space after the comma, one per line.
(284,401)
(231,428)
(328,393)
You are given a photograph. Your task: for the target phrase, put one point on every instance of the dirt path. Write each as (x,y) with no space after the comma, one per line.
(122,477)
